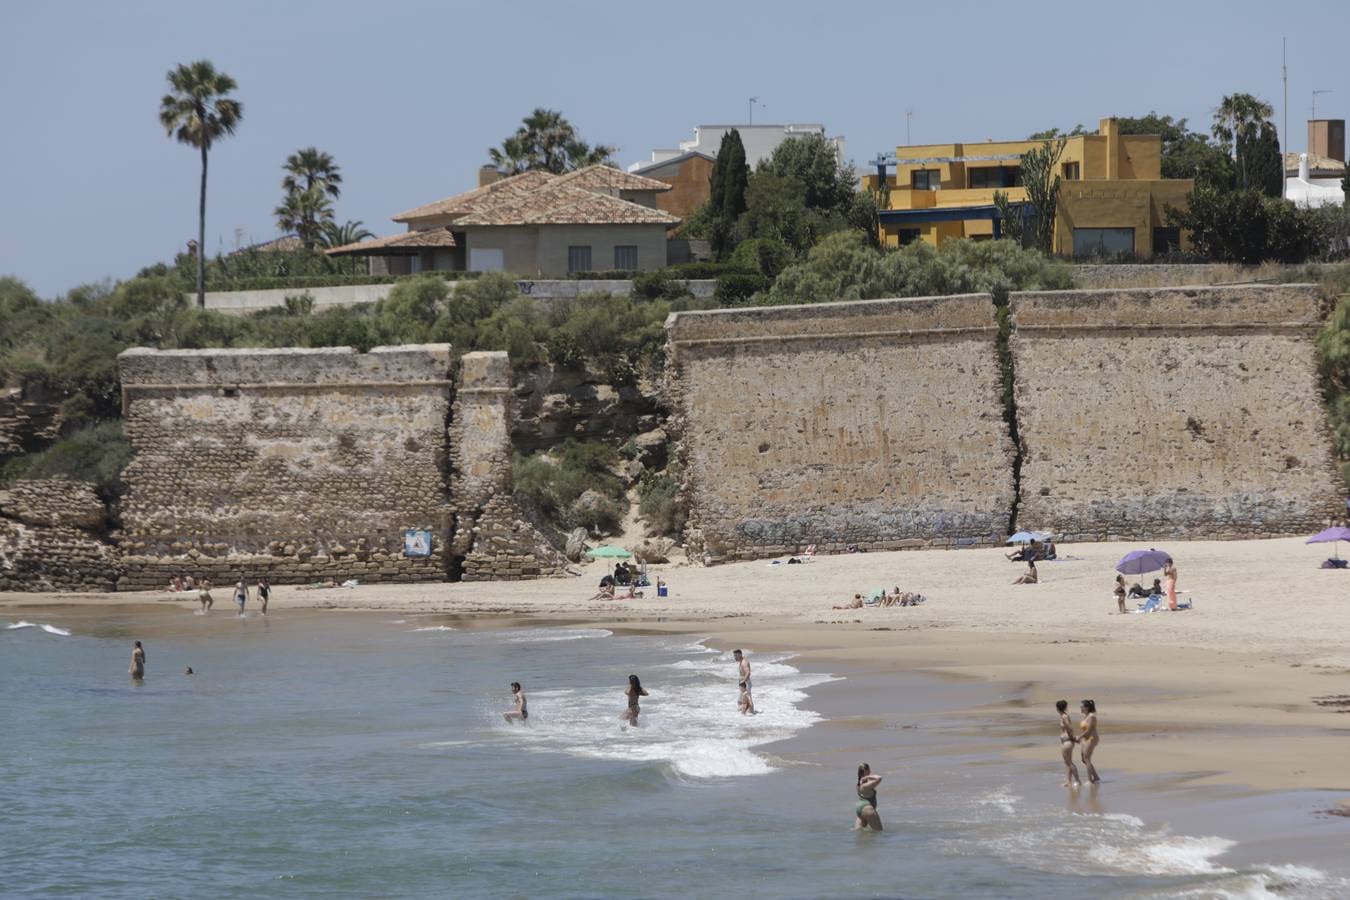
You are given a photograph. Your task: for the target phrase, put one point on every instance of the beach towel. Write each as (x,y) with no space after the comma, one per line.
(1151,604)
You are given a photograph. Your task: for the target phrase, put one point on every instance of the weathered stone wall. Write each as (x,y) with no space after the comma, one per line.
(50,538)
(1188,412)
(877,423)
(1103,276)
(26,425)
(305,464)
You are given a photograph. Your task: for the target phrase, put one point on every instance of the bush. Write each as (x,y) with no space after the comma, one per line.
(97,454)
(657,284)
(736,288)
(658,504)
(1245,226)
(557,481)
(767,256)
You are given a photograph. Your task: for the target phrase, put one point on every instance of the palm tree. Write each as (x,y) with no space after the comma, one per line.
(305,212)
(349,232)
(310,168)
(1237,120)
(547,141)
(197,112)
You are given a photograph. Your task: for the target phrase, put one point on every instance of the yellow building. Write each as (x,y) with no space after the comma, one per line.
(1112,197)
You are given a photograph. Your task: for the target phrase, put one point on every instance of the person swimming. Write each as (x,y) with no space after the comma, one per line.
(1088,738)
(633,692)
(1066,742)
(865,812)
(521,712)
(137,667)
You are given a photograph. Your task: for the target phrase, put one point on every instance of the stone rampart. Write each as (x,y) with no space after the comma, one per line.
(306,464)
(51,538)
(877,424)
(1187,412)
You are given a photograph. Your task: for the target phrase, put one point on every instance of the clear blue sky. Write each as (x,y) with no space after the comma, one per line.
(408,96)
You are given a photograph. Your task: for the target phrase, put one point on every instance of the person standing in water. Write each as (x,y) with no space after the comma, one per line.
(204,595)
(264,594)
(521,712)
(1066,742)
(137,668)
(240,595)
(746,705)
(1088,738)
(743,668)
(633,692)
(865,812)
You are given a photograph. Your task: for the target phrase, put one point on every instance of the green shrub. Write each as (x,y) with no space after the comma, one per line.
(736,288)
(97,454)
(657,284)
(659,506)
(556,481)
(767,256)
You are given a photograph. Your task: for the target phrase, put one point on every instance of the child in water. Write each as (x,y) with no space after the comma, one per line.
(746,705)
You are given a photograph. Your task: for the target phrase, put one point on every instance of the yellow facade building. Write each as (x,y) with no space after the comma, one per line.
(1112,196)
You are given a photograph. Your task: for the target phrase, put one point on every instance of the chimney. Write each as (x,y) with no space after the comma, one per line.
(1326,138)
(488,174)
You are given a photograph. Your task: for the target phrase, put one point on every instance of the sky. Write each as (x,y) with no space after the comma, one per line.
(408,95)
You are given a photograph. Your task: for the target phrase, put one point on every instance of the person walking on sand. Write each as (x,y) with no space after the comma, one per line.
(1066,742)
(743,669)
(204,595)
(1088,738)
(240,595)
(137,668)
(633,692)
(264,594)
(1120,593)
(1170,576)
(521,712)
(865,812)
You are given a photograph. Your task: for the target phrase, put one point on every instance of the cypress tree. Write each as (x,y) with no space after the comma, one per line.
(718,179)
(737,177)
(1258,154)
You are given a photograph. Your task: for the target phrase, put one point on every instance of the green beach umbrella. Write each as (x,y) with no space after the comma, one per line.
(608,552)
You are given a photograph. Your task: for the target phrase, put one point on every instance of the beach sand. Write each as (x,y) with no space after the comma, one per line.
(1226,693)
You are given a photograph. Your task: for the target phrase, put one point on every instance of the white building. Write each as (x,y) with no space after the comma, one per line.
(760,141)
(1305,190)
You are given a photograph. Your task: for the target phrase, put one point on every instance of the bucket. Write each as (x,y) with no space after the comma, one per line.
(663,591)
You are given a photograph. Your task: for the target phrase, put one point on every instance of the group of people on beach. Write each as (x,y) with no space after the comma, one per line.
(1162,587)
(1086,739)
(885,598)
(633,692)
(181,583)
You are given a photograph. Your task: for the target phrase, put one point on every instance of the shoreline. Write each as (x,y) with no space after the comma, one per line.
(1227,694)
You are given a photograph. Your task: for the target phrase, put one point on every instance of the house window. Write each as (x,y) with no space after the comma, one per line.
(579,259)
(994,177)
(1103,242)
(908,236)
(625,258)
(1073,171)
(926,180)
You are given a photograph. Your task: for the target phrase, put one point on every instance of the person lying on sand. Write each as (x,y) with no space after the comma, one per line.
(857,603)
(319,586)
(1031,577)
(606,591)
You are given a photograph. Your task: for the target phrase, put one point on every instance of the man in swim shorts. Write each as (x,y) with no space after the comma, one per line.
(521,713)
(743,665)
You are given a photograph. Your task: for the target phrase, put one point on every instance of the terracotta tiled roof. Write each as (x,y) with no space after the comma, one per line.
(286,242)
(468,200)
(408,240)
(608,178)
(563,204)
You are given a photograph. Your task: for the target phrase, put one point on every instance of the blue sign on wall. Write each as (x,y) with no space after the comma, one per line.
(417,543)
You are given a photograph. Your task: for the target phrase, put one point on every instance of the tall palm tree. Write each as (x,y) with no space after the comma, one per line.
(310,168)
(547,141)
(305,212)
(197,112)
(349,232)
(1237,120)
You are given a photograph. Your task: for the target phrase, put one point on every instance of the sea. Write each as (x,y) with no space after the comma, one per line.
(364,754)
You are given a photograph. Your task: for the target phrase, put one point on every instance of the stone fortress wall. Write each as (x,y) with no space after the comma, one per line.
(1188,412)
(876,423)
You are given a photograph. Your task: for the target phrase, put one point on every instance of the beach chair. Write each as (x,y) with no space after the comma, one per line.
(1151,604)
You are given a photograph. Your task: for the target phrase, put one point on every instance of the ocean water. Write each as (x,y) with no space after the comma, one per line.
(364,754)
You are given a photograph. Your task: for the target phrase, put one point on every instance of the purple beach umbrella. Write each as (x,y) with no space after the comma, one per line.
(1137,562)
(1331,535)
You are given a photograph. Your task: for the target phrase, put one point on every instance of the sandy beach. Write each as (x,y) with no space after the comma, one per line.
(1248,688)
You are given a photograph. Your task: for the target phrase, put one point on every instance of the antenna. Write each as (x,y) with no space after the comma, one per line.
(1284,74)
(751,119)
(909,114)
(1314,98)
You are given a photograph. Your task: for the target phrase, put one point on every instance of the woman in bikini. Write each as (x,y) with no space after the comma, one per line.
(1120,593)
(1066,742)
(1170,574)
(865,812)
(633,692)
(1088,738)
(137,668)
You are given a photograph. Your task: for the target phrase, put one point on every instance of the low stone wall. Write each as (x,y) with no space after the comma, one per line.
(1087,276)
(545,292)
(50,538)
(876,424)
(1180,412)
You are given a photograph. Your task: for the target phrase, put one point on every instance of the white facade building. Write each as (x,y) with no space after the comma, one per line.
(1308,191)
(760,141)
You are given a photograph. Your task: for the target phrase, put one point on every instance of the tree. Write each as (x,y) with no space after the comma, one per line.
(813,161)
(1345,183)
(1240,117)
(1051,134)
(1259,156)
(547,141)
(198,112)
(1185,153)
(728,183)
(1243,226)
(350,232)
(305,212)
(311,168)
(1041,182)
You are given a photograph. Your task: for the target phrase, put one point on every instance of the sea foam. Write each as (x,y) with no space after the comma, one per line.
(50,629)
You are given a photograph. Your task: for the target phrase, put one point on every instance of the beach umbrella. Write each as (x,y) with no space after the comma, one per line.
(608,552)
(1026,537)
(1137,562)
(1330,536)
